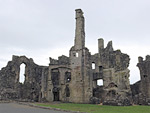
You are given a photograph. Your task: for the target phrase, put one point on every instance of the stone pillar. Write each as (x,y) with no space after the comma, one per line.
(50,96)
(79,32)
(100,44)
(42,84)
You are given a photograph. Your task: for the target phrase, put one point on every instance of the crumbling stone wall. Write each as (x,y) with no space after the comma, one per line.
(62,60)
(136,93)
(59,78)
(141,89)
(12,89)
(112,67)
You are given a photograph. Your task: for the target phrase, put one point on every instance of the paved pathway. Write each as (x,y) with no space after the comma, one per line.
(17,108)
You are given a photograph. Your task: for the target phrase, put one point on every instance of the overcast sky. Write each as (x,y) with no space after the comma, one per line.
(41,29)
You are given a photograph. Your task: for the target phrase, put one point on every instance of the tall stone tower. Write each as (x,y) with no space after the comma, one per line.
(144,67)
(81,83)
(79,33)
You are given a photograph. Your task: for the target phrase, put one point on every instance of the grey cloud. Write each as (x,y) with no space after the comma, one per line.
(40,27)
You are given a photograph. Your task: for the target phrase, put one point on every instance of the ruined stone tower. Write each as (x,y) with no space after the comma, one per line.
(144,67)
(112,68)
(81,83)
(141,89)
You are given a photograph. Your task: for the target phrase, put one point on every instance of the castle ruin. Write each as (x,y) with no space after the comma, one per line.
(73,79)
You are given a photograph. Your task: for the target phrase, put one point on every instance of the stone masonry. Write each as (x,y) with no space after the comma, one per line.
(11,89)
(112,67)
(141,89)
(74,79)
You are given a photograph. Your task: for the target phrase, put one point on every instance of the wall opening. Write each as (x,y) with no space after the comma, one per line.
(101,69)
(55,76)
(56,94)
(100,82)
(145,76)
(77,54)
(93,65)
(22,73)
(68,76)
(67,90)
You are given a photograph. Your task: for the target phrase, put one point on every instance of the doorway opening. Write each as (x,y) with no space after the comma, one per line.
(56,94)
(67,90)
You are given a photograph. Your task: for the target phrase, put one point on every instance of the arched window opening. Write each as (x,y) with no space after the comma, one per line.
(100,82)
(22,73)
(55,76)
(93,65)
(68,76)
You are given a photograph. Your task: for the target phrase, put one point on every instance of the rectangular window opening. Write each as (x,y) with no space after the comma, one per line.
(77,54)
(93,65)
(100,82)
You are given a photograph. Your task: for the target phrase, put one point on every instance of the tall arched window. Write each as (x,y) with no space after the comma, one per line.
(22,73)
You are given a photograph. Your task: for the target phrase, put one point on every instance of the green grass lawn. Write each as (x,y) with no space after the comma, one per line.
(89,108)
